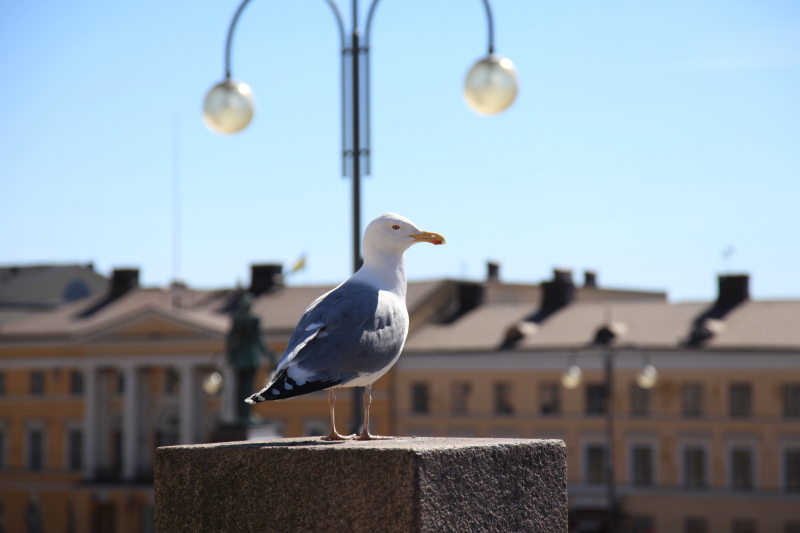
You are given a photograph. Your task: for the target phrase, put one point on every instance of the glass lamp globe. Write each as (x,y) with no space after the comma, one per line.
(571,378)
(491,85)
(212,383)
(228,107)
(648,377)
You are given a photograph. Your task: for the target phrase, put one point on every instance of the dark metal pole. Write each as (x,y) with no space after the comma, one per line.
(356,157)
(611,489)
(355,56)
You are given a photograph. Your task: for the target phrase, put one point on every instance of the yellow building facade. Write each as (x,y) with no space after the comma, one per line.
(88,390)
(712,447)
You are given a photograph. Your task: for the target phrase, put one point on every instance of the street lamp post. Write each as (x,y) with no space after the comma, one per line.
(611,487)
(646,379)
(489,88)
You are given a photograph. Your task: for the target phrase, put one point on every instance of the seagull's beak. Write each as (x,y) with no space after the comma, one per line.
(427,236)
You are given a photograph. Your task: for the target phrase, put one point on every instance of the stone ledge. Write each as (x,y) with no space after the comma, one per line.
(404,484)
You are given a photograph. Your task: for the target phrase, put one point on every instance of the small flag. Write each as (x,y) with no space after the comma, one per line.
(300,264)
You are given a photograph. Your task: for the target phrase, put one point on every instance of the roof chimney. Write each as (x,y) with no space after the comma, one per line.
(264,278)
(492,271)
(466,297)
(559,292)
(733,290)
(123,280)
(555,295)
(590,279)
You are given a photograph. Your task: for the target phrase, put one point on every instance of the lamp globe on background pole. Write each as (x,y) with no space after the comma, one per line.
(572,376)
(491,85)
(228,107)
(212,383)
(648,377)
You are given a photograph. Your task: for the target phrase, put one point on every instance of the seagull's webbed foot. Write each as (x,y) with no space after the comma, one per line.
(365,435)
(335,436)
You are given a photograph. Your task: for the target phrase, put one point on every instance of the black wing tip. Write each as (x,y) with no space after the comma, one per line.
(284,387)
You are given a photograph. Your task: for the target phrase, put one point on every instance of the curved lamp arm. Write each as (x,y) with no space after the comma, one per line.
(235,20)
(490,21)
(229,38)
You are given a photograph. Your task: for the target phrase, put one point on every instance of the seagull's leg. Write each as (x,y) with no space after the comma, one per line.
(365,432)
(333,435)
(367,400)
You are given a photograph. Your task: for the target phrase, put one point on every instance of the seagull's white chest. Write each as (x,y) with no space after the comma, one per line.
(391,323)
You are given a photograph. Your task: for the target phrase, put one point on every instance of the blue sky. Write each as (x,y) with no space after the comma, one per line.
(647,138)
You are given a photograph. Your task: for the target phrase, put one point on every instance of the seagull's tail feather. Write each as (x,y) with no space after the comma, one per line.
(283,387)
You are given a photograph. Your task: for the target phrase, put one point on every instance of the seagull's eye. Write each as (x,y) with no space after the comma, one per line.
(395,227)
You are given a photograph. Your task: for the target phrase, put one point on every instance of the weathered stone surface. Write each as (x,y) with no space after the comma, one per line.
(404,485)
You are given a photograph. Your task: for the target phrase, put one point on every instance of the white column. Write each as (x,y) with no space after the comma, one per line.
(90,422)
(130,424)
(187,404)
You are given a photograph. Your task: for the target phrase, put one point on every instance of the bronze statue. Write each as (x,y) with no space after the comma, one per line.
(245,348)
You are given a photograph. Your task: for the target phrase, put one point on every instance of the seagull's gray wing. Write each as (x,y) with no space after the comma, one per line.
(354,330)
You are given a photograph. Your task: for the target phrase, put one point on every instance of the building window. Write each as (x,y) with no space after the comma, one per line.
(35,459)
(460,391)
(120,382)
(692,399)
(743,525)
(2,383)
(419,398)
(695,524)
(595,399)
(74,449)
(37,382)
(595,464)
(640,400)
(502,399)
(791,400)
(76,383)
(694,467)
(791,460)
(75,290)
(740,400)
(549,398)
(642,461)
(742,469)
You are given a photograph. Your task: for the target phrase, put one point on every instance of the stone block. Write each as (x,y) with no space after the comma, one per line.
(403,485)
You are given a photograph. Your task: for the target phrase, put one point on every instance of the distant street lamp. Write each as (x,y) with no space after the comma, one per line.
(490,87)
(646,379)
(228,107)
(212,383)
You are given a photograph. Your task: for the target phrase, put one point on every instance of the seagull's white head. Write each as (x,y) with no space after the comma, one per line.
(394,234)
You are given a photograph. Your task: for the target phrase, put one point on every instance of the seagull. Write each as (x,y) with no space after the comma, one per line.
(353,334)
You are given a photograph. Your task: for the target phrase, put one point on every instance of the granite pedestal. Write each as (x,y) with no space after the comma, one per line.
(400,485)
